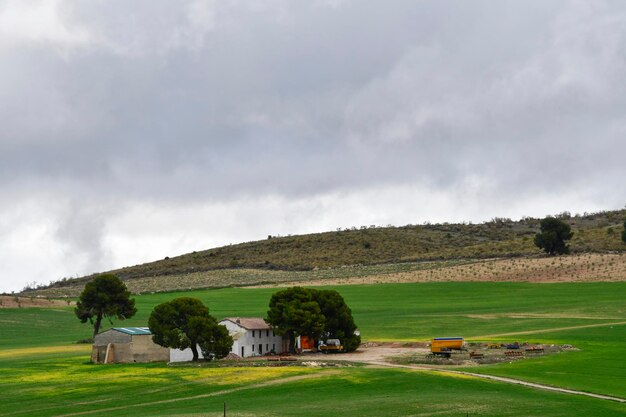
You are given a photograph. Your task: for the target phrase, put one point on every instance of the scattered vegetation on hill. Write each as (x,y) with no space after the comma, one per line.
(279,259)
(573,268)
(13,301)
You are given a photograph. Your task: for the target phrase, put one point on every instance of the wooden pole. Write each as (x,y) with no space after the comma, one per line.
(224,408)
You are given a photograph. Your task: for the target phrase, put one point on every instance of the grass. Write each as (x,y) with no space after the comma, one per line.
(599,232)
(40,380)
(598,366)
(58,384)
(366,392)
(36,327)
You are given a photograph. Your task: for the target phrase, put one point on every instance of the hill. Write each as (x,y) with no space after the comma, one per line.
(366,251)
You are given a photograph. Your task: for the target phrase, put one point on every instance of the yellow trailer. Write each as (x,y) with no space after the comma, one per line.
(443,346)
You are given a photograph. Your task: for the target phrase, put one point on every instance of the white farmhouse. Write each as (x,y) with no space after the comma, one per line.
(252,336)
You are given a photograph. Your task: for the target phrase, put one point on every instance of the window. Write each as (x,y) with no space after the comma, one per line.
(253,333)
(267,347)
(267,333)
(273,347)
(242,352)
(273,333)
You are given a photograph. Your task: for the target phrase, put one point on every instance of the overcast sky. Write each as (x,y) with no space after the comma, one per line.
(131,131)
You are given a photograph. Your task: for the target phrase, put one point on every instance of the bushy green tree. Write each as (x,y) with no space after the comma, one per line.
(104,297)
(339,323)
(184,323)
(301,311)
(295,312)
(217,343)
(554,233)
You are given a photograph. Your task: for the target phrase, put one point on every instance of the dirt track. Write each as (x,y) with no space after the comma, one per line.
(502,379)
(554,329)
(377,355)
(372,352)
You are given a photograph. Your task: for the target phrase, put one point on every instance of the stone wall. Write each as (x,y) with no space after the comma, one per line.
(138,348)
(111,336)
(145,350)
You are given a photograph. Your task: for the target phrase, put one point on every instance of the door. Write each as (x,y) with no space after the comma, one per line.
(260,348)
(242,352)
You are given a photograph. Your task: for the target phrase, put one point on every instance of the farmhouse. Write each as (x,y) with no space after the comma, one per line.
(252,336)
(127,344)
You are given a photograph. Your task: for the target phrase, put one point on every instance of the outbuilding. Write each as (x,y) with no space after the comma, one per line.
(127,345)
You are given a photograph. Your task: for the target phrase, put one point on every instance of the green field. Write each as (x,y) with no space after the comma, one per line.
(61,384)
(61,381)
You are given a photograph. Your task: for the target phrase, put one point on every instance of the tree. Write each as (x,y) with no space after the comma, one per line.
(186,323)
(339,323)
(624,233)
(104,296)
(301,311)
(217,343)
(295,312)
(554,233)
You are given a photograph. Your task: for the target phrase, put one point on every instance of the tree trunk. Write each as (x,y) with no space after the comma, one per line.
(194,350)
(96,327)
(292,342)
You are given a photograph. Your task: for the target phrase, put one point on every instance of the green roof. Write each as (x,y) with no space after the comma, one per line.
(133,330)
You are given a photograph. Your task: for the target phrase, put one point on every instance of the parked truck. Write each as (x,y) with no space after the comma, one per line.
(331,346)
(444,346)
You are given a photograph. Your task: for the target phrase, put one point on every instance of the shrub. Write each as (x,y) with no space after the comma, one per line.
(554,233)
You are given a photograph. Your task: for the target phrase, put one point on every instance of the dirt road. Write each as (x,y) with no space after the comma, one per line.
(379,355)
(553,329)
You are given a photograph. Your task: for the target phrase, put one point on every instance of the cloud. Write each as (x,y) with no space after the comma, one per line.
(132,132)
(39,21)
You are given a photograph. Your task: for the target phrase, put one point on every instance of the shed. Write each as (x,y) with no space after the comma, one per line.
(127,345)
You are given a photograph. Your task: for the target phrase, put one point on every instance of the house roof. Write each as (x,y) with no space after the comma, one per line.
(133,330)
(249,323)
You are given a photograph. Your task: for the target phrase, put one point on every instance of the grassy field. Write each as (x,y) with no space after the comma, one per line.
(598,366)
(56,380)
(63,383)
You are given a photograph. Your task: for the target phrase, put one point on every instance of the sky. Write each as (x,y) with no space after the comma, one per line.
(131,131)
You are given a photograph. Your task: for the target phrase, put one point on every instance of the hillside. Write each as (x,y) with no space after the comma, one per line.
(365,251)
